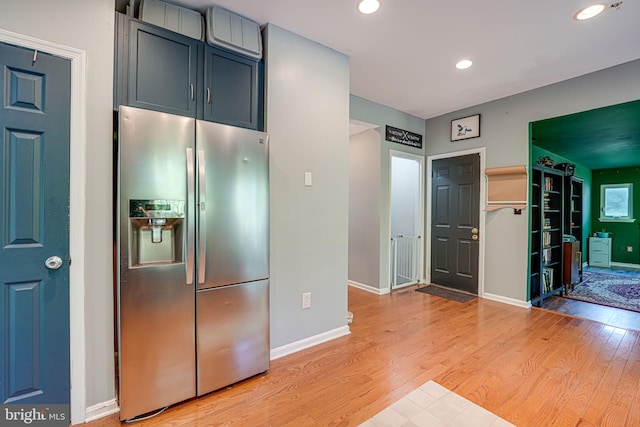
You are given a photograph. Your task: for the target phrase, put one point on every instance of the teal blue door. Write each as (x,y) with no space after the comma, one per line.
(34,227)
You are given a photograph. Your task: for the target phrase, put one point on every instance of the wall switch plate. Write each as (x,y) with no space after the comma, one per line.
(629,248)
(306,300)
(308,180)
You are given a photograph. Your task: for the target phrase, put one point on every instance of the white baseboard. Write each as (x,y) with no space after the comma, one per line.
(294,347)
(625,265)
(507,300)
(101,410)
(369,288)
(104,409)
(109,407)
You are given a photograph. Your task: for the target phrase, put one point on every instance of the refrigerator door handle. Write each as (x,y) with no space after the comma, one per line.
(202,223)
(191,232)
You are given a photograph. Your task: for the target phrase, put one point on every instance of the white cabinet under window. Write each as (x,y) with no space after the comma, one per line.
(599,251)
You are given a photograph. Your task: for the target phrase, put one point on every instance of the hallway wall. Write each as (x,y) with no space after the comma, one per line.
(307,87)
(364,209)
(381,115)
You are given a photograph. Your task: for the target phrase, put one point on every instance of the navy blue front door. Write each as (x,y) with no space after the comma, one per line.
(34,227)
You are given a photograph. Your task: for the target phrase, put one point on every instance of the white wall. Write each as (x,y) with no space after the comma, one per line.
(505,134)
(364,209)
(405,198)
(308,124)
(87,26)
(370,112)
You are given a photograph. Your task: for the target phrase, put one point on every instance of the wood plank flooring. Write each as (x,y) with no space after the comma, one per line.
(531,367)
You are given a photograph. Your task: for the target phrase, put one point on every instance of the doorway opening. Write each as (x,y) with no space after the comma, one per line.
(406,206)
(364,208)
(579,146)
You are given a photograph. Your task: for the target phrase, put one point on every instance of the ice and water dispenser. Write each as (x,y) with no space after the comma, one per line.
(156,232)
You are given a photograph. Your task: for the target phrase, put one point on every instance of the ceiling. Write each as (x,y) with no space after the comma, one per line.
(403,56)
(603,138)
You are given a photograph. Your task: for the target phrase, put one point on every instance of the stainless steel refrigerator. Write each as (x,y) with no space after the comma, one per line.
(193,260)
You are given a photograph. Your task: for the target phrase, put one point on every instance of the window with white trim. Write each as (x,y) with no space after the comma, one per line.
(616,202)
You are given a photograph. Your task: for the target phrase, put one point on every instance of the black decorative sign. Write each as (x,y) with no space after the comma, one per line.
(403,137)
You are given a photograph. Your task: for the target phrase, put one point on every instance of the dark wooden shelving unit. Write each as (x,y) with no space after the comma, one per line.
(573,219)
(547,229)
(536,226)
(574,207)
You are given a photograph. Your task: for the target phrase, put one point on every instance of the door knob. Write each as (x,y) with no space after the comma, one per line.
(474,237)
(53,262)
(474,230)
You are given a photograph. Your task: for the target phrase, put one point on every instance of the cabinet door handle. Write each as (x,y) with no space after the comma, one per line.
(208,96)
(191,89)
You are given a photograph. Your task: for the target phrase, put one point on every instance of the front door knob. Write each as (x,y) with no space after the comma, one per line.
(53,262)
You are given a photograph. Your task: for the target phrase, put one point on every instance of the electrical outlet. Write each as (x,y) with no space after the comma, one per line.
(629,248)
(306,300)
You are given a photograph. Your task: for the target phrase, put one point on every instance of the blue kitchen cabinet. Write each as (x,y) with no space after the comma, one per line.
(157,68)
(161,70)
(232,87)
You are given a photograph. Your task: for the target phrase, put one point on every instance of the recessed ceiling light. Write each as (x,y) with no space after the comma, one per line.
(464,64)
(368,6)
(589,12)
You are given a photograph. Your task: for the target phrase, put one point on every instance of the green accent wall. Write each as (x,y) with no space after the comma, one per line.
(624,234)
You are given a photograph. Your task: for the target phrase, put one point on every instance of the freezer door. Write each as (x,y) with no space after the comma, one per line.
(156,323)
(233,209)
(232,334)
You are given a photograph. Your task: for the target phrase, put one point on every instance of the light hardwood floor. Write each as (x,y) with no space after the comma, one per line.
(531,367)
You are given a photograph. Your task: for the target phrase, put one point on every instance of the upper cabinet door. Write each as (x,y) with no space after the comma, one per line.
(163,70)
(231,89)
(158,69)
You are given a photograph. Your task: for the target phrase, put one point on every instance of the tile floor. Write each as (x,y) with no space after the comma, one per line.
(619,318)
(434,406)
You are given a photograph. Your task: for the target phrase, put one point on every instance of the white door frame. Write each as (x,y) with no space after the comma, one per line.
(482,211)
(77,142)
(420,217)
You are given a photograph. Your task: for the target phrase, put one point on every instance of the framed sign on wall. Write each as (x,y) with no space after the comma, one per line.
(465,128)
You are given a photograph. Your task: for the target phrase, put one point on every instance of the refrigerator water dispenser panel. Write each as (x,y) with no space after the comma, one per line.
(156,232)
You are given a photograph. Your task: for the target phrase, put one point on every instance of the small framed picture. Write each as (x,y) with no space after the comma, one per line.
(465,128)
